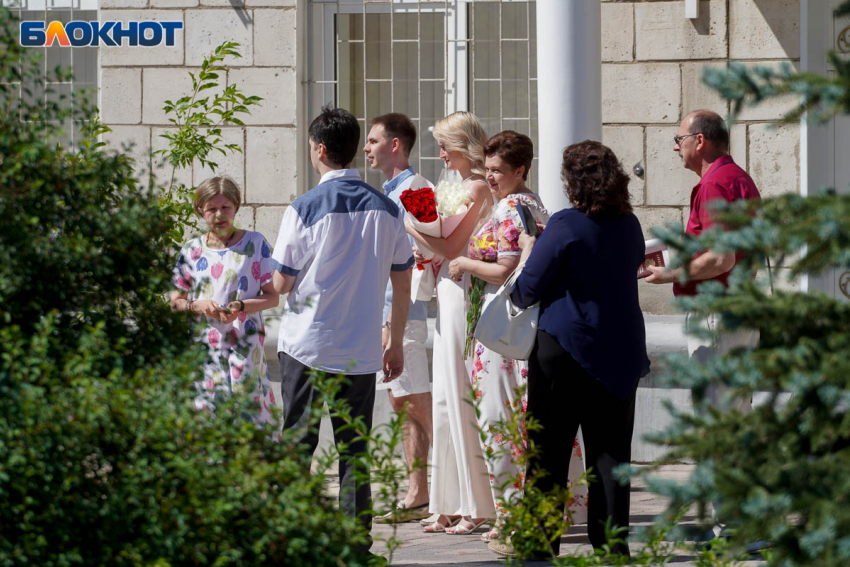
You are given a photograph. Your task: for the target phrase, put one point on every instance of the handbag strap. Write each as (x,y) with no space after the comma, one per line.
(509,283)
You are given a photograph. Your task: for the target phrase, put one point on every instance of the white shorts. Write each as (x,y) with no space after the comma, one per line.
(414,379)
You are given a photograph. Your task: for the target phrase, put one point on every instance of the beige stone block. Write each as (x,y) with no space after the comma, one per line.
(782,280)
(627,143)
(738,144)
(663,33)
(667,180)
(162,166)
(231,165)
(271,158)
(163,84)
(122,4)
(640,93)
(656,299)
(772,108)
(131,56)
(120,96)
(696,95)
(133,141)
(270,3)
(774,158)
(244,218)
(222,3)
(764,29)
(618,25)
(207,29)
(276,86)
(274,38)
(268,222)
(174,3)
(658,217)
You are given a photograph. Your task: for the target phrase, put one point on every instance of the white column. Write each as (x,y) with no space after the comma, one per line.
(569,71)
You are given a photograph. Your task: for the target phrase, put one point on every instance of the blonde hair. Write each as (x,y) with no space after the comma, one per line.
(462,132)
(213,187)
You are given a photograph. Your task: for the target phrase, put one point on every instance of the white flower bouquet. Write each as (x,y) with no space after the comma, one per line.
(453,200)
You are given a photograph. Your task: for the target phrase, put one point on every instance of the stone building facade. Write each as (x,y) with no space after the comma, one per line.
(652,54)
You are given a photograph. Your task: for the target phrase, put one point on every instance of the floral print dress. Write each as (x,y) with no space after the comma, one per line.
(495,379)
(236,362)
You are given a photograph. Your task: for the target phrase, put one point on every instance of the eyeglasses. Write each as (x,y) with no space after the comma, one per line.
(678,139)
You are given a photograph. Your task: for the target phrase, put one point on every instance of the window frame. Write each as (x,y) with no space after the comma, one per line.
(460,77)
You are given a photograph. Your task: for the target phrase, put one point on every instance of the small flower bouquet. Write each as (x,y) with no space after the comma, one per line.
(421,205)
(486,250)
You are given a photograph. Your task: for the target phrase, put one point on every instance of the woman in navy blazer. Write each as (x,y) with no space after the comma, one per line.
(591,342)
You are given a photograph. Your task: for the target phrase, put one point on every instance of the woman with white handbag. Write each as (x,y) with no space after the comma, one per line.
(591,342)
(493,256)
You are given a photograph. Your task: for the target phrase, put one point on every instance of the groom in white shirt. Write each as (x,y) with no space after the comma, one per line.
(388,146)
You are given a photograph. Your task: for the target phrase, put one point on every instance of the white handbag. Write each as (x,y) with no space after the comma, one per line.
(505,328)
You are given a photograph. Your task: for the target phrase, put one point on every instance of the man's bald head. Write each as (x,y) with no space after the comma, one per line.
(711,126)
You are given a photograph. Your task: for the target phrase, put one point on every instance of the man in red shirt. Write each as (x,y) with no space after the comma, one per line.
(702,142)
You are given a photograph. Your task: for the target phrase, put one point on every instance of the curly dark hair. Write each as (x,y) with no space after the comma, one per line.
(595,181)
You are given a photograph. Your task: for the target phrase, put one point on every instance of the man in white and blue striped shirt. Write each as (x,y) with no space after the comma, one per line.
(337,247)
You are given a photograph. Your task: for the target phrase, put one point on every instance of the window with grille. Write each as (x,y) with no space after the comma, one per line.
(81,60)
(425,59)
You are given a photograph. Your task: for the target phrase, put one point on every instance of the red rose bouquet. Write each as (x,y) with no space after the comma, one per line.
(420,203)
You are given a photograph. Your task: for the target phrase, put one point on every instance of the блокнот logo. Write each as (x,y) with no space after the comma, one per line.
(110,34)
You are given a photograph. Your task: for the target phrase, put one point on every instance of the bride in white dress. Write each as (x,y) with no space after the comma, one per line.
(460,485)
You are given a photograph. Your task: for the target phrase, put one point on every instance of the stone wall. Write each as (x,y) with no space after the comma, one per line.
(652,63)
(135,82)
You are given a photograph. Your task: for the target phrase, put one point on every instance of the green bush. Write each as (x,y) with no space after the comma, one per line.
(103,459)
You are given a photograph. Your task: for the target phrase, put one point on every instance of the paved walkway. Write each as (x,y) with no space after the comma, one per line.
(419,548)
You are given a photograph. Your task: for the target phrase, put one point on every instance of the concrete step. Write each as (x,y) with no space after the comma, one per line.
(664,335)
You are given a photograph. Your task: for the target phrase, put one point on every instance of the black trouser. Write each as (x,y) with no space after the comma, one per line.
(562,396)
(358,391)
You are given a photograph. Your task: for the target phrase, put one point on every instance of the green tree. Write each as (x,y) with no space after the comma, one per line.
(197,118)
(103,459)
(780,473)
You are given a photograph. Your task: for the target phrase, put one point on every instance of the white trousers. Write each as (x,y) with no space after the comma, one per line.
(460,483)
(703,349)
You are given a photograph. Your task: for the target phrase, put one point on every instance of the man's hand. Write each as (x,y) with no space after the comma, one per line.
(393,362)
(661,275)
(417,255)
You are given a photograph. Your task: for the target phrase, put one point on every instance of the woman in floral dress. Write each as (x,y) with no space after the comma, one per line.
(492,256)
(225,278)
